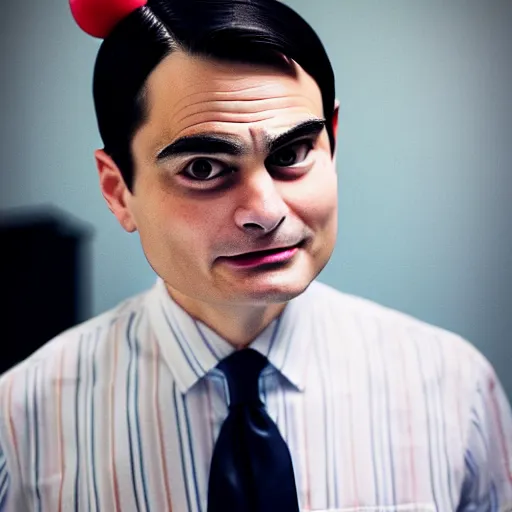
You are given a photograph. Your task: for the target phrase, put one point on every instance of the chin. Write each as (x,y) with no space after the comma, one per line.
(262,297)
(271,290)
(271,285)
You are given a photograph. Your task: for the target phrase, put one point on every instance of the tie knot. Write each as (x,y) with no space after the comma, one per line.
(242,370)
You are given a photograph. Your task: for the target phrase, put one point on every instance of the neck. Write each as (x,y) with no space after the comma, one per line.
(238,324)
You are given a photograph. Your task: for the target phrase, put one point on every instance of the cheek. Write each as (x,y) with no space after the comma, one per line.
(176,222)
(182,229)
(317,195)
(194,221)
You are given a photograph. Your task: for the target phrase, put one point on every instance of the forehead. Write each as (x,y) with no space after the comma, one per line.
(186,95)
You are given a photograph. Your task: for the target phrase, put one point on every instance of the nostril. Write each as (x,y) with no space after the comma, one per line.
(253,225)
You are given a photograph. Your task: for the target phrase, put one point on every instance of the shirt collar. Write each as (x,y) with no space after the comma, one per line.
(191,349)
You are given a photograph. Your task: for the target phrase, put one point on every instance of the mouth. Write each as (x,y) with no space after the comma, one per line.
(270,256)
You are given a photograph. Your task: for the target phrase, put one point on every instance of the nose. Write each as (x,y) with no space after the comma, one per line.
(262,208)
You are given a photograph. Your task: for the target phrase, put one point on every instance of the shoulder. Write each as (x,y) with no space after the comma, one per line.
(399,352)
(41,394)
(384,328)
(64,358)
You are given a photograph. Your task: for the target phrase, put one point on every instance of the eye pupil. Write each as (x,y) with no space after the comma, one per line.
(286,157)
(201,168)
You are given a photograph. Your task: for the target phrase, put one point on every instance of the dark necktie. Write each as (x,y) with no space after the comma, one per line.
(251,468)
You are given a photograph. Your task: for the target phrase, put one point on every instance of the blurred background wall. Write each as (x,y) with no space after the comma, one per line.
(424,156)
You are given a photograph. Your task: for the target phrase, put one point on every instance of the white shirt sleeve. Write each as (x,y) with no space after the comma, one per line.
(488,457)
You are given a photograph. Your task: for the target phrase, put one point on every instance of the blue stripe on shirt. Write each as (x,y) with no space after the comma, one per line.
(175,393)
(429,426)
(137,423)
(184,349)
(4,478)
(131,442)
(191,448)
(441,377)
(388,417)
(370,408)
(77,426)
(36,437)
(93,447)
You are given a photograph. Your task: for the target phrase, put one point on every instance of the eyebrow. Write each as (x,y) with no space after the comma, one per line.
(202,143)
(309,128)
(211,143)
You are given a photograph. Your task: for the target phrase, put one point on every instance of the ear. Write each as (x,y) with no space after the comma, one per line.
(335,119)
(114,190)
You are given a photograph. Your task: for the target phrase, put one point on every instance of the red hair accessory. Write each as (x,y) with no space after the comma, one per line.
(99,17)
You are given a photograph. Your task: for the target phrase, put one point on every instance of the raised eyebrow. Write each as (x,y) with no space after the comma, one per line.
(204,143)
(311,127)
(213,144)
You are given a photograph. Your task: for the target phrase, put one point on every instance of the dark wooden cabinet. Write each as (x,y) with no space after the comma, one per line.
(44,276)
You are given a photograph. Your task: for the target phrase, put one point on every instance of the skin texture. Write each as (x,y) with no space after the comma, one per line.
(188,227)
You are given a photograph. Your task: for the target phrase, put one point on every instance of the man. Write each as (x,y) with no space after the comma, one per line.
(238,382)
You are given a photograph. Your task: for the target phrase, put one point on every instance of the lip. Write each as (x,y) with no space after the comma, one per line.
(255,259)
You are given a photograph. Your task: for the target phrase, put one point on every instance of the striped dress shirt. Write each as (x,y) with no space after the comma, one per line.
(381,411)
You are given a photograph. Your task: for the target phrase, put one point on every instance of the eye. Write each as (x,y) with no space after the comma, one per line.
(204,169)
(291,155)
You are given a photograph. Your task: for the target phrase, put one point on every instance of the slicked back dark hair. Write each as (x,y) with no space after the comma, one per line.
(249,31)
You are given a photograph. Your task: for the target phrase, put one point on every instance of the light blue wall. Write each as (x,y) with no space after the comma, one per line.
(424,156)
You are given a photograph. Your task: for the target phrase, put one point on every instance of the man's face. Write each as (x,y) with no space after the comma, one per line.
(239,188)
